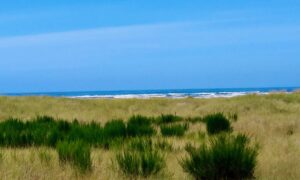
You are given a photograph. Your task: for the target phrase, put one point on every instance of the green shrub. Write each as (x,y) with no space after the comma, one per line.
(115,129)
(173,130)
(45,131)
(217,123)
(76,153)
(152,162)
(129,163)
(10,133)
(168,118)
(226,157)
(91,133)
(140,163)
(139,126)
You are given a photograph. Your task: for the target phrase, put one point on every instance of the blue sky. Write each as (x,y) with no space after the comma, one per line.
(64,45)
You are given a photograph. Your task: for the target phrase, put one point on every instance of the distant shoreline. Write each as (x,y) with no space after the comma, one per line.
(168,93)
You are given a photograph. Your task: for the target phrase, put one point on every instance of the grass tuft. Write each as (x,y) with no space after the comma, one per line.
(226,157)
(139,126)
(168,118)
(77,153)
(216,123)
(174,130)
(140,163)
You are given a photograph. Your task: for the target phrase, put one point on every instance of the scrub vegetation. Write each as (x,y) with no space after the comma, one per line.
(236,138)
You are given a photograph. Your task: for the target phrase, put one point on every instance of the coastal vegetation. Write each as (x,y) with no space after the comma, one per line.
(251,136)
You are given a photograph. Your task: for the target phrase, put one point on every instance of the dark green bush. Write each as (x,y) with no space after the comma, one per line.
(139,126)
(173,130)
(115,129)
(45,131)
(76,153)
(140,163)
(168,118)
(129,163)
(91,133)
(216,123)
(226,157)
(152,162)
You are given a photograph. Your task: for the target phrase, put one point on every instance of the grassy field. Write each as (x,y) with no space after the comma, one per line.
(273,121)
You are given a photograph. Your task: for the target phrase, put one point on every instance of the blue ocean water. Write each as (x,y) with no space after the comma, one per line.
(166,93)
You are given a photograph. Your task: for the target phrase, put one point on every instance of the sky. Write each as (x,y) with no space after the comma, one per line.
(72,45)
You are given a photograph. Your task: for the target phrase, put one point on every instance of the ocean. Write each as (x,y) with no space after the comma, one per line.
(166,93)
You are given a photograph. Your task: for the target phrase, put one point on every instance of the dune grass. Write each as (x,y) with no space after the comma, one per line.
(272,121)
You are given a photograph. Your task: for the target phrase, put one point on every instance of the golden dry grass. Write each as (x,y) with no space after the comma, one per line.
(271,120)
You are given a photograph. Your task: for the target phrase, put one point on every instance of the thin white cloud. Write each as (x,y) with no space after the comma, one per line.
(164,35)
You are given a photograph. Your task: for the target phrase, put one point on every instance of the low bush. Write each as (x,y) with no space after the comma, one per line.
(45,131)
(129,163)
(140,163)
(152,162)
(76,153)
(168,118)
(216,123)
(115,129)
(173,130)
(139,126)
(226,157)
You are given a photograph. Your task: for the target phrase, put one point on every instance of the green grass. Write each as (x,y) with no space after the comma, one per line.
(140,144)
(216,123)
(115,129)
(226,157)
(140,126)
(174,130)
(272,120)
(168,118)
(140,163)
(77,153)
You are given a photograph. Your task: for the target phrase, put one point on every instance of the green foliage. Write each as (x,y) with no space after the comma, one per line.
(226,157)
(91,133)
(141,144)
(168,118)
(129,163)
(45,131)
(140,163)
(173,130)
(115,129)
(77,153)
(147,144)
(139,126)
(217,123)
(151,163)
